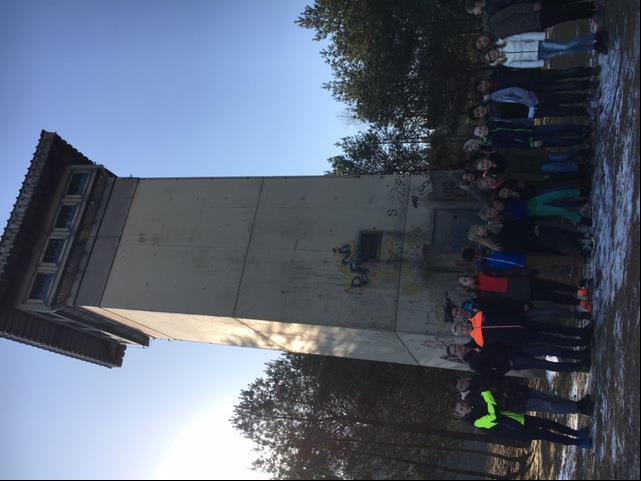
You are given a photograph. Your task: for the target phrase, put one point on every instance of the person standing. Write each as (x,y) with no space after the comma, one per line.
(496,360)
(518,396)
(487,415)
(531,50)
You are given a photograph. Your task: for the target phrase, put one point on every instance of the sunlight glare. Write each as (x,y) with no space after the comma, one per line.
(209,448)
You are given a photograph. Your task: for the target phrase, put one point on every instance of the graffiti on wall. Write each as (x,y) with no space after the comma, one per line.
(446,186)
(441,345)
(420,190)
(349,262)
(415,239)
(434,344)
(400,190)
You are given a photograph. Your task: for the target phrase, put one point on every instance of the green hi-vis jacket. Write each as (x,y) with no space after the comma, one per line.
(490,419)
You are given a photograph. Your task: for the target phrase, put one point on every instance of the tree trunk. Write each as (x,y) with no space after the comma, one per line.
(428,430)
(445,469)
(431,447)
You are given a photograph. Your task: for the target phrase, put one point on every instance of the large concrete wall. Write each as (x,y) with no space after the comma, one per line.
(272,263)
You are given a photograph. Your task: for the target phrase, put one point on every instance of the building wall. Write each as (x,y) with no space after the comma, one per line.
(274,263)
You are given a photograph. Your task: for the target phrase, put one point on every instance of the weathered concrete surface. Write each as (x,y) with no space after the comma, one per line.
(276,263)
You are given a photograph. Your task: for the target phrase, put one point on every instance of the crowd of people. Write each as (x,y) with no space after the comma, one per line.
(532,179)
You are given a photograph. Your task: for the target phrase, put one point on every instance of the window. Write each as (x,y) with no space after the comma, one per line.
(53,251)
(65,216)
(41,286)
(78,183)
(369,246)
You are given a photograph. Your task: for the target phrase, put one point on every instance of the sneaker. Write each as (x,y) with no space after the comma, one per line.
(586,405)
(585,306)
(585,443)
(584,366)
(602,40)
(585,282)
(585,353)
(583,432)
(582,317)
(582,293)
(585,210)
(587,332)
(585,230)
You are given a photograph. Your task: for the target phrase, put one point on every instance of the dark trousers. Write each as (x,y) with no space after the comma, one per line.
(547,430)
(561,130)
(555,110)
(537,350)
(557,292)
(562,135)
(555,86)
(525,359)
(549,339)
(532,78)
(553,313)
(558,11)
(576,155)
(564,141)
(562,74)
(557,241)
(555,335)
(549,403)
(561,98)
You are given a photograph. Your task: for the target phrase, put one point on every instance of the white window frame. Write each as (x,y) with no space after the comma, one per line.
(56,235)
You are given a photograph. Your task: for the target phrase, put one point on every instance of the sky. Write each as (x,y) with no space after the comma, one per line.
(151,89)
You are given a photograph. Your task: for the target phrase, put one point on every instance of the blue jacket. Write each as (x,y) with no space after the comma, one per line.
(501,260)
(516,209)
(516,95)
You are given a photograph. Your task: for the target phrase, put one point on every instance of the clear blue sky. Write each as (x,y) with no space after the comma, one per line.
(150,88)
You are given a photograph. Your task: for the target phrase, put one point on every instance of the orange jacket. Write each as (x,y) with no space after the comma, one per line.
(477,328)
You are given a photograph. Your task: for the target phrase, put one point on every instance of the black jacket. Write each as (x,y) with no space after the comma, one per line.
(494,360)
(507,110)
(510,394)
(492,305)
(500,327)
(505,427)
(518,236)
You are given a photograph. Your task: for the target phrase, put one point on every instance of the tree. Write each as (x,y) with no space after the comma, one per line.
(395,62)
(381,151)
(326,418)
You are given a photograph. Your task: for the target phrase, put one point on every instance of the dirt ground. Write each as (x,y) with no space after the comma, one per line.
(613,381)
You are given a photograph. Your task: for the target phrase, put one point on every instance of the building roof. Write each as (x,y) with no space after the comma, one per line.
(38,188)
(30,329)
(52,155)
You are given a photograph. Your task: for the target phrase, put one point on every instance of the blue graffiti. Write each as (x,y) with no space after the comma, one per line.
(360,280)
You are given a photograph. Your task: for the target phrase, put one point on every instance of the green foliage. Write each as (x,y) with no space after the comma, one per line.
(395,62)
(314,417)
(380,151)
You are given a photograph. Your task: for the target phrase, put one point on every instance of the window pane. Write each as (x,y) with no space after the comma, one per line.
(41,286)
(53,250)
(65,216)
(78,183)
(369,245)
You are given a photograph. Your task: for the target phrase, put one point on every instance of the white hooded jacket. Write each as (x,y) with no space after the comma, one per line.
(521,51)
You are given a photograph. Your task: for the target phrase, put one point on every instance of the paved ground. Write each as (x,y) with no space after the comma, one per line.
(614,379)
